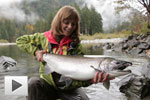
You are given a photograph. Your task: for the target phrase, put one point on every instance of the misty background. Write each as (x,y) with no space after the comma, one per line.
(11,9)
(20,17)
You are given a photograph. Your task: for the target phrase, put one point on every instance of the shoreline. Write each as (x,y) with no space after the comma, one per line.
(1,44)
(113,40)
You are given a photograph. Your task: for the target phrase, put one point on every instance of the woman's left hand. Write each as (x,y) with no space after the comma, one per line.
(101,77)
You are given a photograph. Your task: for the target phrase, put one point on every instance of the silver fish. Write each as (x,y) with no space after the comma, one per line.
(84,68)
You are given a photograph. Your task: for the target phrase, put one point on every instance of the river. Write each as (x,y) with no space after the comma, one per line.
(27,65)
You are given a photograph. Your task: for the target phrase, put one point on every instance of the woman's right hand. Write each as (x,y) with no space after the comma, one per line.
(39,55)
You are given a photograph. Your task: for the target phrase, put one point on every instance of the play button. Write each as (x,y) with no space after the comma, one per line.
(16,85)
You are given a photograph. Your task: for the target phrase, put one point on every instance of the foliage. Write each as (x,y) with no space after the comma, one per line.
(122,5)
(8,33)
(144,6)
(3,41)
(144,28)
(135,21)
(91,21)
(43,7)
(123,33)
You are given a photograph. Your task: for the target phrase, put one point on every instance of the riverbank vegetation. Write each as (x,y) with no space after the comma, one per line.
(122,34)
(91,21)
(3,41)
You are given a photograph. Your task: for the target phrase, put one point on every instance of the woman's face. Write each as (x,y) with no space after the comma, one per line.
(68,26)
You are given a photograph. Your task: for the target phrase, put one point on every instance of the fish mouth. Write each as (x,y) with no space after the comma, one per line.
(123,64)
(117,73)
(124,71)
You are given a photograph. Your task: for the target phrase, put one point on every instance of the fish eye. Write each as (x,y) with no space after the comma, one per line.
(117,62)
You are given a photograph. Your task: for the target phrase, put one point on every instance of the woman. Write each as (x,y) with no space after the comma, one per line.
(62,39)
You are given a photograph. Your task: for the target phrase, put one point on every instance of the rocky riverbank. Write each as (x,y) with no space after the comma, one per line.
(135,44)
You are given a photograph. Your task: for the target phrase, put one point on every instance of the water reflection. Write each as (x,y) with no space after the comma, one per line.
(27,65)
(90,49)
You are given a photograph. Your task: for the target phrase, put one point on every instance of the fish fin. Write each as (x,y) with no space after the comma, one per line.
(65,79)
(48,69)
(95,68)
(107,85)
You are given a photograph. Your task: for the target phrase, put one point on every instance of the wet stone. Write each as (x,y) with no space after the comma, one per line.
(6,63)
(135,44)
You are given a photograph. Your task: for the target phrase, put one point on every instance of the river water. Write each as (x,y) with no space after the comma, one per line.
(27,65)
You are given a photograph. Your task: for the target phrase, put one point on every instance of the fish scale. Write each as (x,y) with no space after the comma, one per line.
(79,67)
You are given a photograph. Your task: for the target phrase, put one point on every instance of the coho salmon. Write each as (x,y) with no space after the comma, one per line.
(84,68)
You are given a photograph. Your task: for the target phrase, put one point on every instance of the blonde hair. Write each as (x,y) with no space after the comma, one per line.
(66,12)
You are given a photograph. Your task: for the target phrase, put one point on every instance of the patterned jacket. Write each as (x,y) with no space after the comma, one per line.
(45,41)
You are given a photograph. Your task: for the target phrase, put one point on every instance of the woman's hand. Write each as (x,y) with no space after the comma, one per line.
(101,77)
(39,55)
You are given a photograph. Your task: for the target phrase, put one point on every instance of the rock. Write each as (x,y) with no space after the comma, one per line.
(125,46)
(143,45)
(135,51)
(7,62)
(135,87)
(134,44)
(107,46)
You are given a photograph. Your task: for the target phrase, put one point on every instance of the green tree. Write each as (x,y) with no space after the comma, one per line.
(95,22)
(91,21)
(85,20)
(7,30)
(40,25)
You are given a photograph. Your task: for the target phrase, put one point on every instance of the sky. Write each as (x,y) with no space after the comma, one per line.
(104,7)
(107,10)
(7,2)
(9,11)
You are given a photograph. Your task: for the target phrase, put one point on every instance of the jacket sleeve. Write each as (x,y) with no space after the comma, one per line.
(30,43)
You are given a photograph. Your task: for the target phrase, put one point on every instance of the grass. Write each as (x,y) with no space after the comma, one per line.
(103,36)
(3,41)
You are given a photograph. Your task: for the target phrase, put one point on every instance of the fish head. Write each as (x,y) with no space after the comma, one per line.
(113,64)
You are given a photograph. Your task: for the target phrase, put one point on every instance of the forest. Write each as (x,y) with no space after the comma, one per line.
(91,20)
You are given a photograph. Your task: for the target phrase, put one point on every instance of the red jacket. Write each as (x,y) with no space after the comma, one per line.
(65,41)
